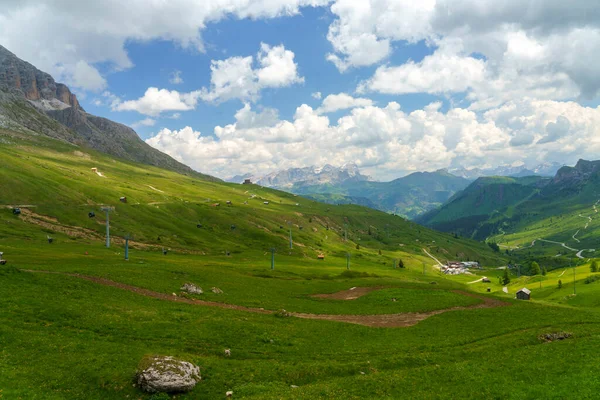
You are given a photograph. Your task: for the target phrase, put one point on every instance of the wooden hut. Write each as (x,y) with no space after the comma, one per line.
(321,256)
(524,294)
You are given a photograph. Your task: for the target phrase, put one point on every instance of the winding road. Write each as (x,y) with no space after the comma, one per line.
(578,253)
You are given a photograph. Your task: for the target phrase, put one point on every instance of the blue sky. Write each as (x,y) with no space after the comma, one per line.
(403,86)
(304,34)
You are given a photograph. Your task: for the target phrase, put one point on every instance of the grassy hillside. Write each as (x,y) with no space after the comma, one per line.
(77,318)
(549,220)
(164,209)
(479,201)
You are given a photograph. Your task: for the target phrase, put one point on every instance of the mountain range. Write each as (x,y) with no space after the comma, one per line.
(409,196)
(550,216)
(544,169)
(31,101)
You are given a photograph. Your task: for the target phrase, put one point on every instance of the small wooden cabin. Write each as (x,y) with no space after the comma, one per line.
(524,294)
(321,256)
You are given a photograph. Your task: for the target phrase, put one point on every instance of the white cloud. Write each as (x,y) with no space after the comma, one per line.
(342,101)
(236,78)
(176,78)
(442,72)
(76,31)
(387,142)
(545,50)
(316,95)
(156,101)
(278,68)
(144,122)
(364,30)
(84,76)
(232,78)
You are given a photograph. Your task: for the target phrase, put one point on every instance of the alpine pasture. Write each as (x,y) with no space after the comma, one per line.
(77,317)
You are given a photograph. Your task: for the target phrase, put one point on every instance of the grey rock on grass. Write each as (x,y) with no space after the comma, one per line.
(191,288)
(167,374)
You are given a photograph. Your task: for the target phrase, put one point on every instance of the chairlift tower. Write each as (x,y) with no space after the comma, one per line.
(107,210)
(272,258)
(127,237)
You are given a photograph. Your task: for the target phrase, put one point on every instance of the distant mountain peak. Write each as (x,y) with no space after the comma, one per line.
(544,169)
(313,175)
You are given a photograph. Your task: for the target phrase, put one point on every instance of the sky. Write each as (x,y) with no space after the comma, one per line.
(232,87)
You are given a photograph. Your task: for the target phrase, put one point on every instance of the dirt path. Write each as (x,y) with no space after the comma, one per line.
(435,259)
(350,294)
(378,321)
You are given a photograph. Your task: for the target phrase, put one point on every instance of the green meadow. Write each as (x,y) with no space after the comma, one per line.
(64,337)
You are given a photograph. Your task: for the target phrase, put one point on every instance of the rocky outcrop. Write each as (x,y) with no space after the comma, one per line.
(191,288)
(572,179)
(167,374)
(28,97)
(33,83)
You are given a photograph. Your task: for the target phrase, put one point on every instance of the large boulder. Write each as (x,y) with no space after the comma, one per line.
(167,374)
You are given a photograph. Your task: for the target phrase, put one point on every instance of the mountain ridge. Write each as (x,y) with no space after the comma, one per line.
(33,100)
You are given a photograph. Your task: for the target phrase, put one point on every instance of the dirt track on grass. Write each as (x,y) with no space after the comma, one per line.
(378,321)
(350,294)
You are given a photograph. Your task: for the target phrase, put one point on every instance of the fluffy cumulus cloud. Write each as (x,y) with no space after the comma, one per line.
(232,78)
(144,122)
(342,101)
(442,72)
(240,78)
(496,51)
(388,142)
(76,31)
(156,101)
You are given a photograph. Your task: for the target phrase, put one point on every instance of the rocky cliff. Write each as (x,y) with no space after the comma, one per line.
(36,86)
(32,99)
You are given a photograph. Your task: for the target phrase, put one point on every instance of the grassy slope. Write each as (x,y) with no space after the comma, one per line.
(571,219)
(164,208)
(65,338)
(484,197)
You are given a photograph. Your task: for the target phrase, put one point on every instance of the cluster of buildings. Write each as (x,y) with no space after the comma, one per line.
(459,267)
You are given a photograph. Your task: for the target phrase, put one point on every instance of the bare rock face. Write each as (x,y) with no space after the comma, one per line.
(33,83)
(32,98)
(191,288)
(167,374)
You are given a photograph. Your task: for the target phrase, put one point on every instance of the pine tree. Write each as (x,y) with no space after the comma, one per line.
(594,266)
(400,263)
(559,284)
(544,271)
(535,268)
(505,277)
